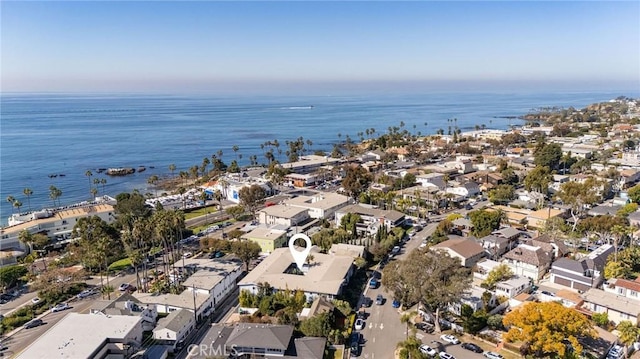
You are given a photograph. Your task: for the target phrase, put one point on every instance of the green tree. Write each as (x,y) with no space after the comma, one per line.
(410,349)
(485,221)
(544,326)
(153,181)
(498,274)
(547,155)
(538,179)
(89,174)
(634,193)
(601,319)
(577,195)
(9,275)
(246,251)
(627,209)
(629,333)
(251,197)
(235,211)
(172,169)
(495,322)
(11,200)
(356,181)
(317,326)
(428,277)
(28,192)
(502,194)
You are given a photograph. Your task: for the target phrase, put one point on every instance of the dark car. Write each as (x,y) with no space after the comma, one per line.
(355,344)
(33,323)
(367,302)
(425,327)
(472,347)
(373,283)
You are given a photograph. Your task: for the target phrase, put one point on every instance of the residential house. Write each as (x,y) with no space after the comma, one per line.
(512,287)
(322,205)
(467,190)
(509,233)
(555,246)
(283,215)
(174,328)
(483,268)
(320,305)
(248,340)
(433,179)
(623,287)
(628,177)
(528,261)
(269,239)
(539,218)
(302,180)
(216,281)
(472,298)
(467,250)
(604,209)
(126,304)
(496,246)
(326,275)
(371,218)
(618,308)
(582,274)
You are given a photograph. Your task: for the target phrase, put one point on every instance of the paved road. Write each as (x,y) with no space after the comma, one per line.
(383,329)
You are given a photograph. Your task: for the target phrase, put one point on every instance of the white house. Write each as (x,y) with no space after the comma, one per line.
(287,216)
(320,205)
(512,287)
(623,287)
(618,308)
(173,328)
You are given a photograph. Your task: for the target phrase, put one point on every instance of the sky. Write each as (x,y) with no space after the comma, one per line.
(200,46)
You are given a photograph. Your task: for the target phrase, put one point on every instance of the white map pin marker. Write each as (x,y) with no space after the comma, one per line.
(300,256)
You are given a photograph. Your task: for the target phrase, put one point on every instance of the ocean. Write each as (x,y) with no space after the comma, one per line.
(45,134)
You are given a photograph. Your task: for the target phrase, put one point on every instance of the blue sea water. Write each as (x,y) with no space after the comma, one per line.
(43,134)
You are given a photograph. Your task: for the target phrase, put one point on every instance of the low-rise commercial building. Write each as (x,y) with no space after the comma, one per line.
(88,336)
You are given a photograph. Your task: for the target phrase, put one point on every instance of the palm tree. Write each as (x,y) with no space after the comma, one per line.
(94,191)
(103,181)
(96,181)
(11,200)
(54,193)
(406,319)
(28,192)
(17,204)
(172,169)
(235,149)
(152,181)
(89,174)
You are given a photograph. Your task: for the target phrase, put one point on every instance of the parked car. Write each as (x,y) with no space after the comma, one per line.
(60,307)
(367,302)
(359,325)
(35,300)
(395,250)
(492,355)
(395,303)
(425,349)
(379,299)
(425,327)
(355,344)
(86,293)
(450,339)
(124,286)
(472,347)
(373,283)
(33,323)
(445,355)
(187,254)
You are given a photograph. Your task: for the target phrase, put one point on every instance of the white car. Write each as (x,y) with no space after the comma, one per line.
(425,349)
(124,286)
(450,339)
(445,355)
(492,355)
(35,300)
(359,324)
(60,307)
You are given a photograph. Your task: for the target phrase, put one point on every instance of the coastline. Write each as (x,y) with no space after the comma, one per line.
(152,137)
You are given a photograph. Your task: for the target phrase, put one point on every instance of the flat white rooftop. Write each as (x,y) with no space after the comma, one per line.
(79,335)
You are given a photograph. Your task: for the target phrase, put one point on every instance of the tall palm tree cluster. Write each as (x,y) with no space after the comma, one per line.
(138,234)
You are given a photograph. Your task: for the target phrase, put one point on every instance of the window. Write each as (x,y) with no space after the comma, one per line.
(633,293)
